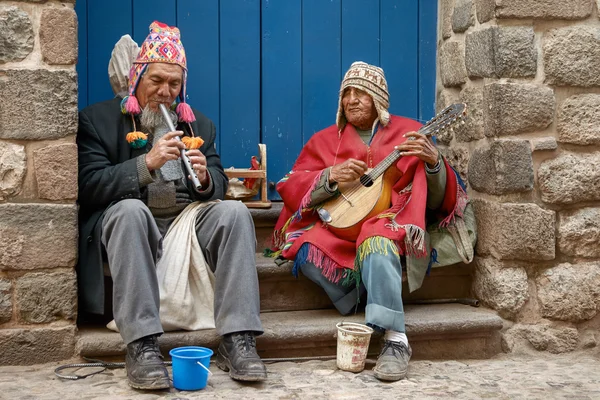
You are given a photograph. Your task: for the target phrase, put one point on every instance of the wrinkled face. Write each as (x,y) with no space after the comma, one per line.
(161,83)
(359,108)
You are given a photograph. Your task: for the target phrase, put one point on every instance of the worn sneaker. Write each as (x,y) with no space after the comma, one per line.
(145,367)
(237,354)
(392,363)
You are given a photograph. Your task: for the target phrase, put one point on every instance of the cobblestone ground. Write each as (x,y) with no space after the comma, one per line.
(573,376)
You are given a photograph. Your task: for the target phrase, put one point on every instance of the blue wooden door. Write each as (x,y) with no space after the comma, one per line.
(269,71)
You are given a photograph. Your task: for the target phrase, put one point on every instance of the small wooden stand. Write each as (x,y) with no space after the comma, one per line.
(261,174)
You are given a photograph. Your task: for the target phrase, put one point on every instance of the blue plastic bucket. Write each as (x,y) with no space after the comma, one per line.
(190,367)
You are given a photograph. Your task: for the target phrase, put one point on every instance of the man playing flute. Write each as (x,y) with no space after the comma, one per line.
(132,186)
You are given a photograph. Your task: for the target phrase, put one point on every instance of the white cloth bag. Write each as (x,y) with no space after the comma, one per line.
(185,281)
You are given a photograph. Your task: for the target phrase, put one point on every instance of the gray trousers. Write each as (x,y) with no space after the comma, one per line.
(381,279)
(132,238)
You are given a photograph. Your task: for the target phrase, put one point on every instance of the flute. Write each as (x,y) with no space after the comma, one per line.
(184,156)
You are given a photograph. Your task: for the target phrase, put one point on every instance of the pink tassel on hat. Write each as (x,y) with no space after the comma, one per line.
(132,106)
(185,113)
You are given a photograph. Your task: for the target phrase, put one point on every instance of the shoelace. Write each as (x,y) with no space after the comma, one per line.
(150,344)
(396,347)
(245,342)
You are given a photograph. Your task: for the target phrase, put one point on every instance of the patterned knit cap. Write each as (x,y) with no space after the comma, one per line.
(162,45)
(370,79)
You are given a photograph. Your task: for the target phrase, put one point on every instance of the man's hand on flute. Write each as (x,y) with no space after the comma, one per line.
(199,165)
(167,148)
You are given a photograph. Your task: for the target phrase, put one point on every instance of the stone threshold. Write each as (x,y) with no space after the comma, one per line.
(441,331)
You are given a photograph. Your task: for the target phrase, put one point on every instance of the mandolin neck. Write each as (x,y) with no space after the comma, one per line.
(386,163)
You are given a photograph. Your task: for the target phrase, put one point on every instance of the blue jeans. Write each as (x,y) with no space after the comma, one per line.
(381,279)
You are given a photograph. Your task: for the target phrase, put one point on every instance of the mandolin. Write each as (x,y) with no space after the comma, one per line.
(370,195)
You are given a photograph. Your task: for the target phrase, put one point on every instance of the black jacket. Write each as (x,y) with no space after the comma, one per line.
(108,174)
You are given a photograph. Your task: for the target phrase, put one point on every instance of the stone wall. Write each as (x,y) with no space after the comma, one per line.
(38,181)
(529,72)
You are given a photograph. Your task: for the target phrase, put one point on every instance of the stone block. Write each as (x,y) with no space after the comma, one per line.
(501,52)
(542,144)
(579,120)
(37,236)
(513,108)
(485,9)
(547,9)
(452,64)
(13,167)
(472,129)
(463,18)
(56,171)
(579,232)
(570,292)
(510,231)
(458,158)
(46,297)
(515,53)
(505,166)
(542,337)
(38,104)
(447,9)
(572,56)
(501,286)
(16,34)
(479,53)
(58,36)
(36,346)
(5,300)
(570,178)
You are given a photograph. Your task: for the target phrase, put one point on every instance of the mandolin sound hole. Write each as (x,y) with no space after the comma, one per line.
(366,180)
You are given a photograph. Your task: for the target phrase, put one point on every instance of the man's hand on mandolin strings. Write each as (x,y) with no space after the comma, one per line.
(420,146)
(348,171)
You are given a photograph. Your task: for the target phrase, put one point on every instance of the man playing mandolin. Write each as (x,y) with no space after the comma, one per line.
(398,167)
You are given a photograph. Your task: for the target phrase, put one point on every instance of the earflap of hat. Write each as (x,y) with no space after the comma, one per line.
(183,110)
(340,118)
(382,112)
(130,104)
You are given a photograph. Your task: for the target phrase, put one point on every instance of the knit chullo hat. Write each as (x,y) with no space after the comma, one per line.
(370,79)
(162,45)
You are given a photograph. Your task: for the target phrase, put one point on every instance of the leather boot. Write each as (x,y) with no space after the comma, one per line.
(237,354)
(145,366)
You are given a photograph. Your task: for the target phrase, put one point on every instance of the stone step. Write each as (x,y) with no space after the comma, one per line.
(264,222)
(443,331)
(281,291)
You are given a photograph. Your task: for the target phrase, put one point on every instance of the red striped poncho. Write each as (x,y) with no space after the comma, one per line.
(301,236)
